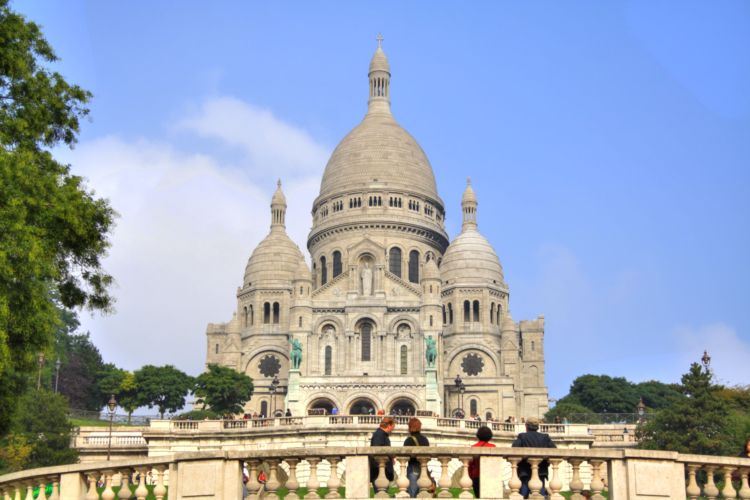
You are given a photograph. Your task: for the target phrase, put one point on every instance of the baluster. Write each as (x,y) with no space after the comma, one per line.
(403,480)
(333,480)
(381,482)
(292,484)
(55,480)
(29,490)
(160,490)
(597,485)
(535,482)
(312,482)
(424,482)
(728,490)
(141,491)
(17,489)
(108,493)
(555,483)
(5,492)
(465,481)
(515,482)
(124,492)
(710,489)
(253,485)
(576,485)
(92,494)
(272,483)
(445,479)
(745,488)
(42,495)
(693,490)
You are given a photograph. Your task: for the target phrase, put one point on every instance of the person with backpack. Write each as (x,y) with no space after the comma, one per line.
(413,470)
(484,436)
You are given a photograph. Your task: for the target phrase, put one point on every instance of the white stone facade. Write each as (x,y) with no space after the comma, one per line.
(384,278)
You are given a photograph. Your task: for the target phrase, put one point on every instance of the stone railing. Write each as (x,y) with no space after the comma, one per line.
(344,472)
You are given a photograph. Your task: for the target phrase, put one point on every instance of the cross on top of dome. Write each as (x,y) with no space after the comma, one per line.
(379,38)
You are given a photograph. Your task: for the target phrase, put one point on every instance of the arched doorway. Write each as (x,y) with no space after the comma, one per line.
(362,406)
(322,405)
(402,406)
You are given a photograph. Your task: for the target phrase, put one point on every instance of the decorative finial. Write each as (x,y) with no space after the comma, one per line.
(379,38)
(278,183)
(468,181)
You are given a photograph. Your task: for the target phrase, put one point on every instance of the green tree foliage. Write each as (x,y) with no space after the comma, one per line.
(40,432)
(223,389)
(565,410)
(81,365)
(53,230)
(696,422)
(128,395)
(162,386)
(109,382)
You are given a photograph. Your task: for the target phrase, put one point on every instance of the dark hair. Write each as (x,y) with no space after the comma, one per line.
(415,425)
(484,433)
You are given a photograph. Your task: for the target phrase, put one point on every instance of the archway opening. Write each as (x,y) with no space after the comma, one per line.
(402,407)
(321,405)
(362,406)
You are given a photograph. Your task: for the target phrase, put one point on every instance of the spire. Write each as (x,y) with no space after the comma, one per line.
(380,81)
(469,207)
(278,208)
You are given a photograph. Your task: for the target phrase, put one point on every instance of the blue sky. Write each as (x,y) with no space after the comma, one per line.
(608,143)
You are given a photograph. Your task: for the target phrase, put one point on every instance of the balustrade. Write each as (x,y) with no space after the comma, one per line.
(718,477)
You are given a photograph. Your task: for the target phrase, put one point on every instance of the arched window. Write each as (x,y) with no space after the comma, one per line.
(366,333)
(323,271)
(473,407)
(430,319)
(404,360)
(499,313)
(245,315)
(300,321)
(217,348)
(266,313)
(394,261)
(467,311)
(532,346)
(445,318)
(492,313)
(264,408)
(450,314)
(301,290)
(252,316)
(336,263)
(414,266)
(275,313)
(476,310)
(328,358)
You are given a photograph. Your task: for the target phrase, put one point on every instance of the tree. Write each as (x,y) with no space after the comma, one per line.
(604,394)
(696,422)
(162,386)
(109,382)
(53,230)
(223,389)
(128,399)
(565,410)
(81,365)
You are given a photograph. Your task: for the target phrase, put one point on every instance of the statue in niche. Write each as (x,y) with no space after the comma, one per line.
(366,277)
(296,354)
(431,352)
(404,331)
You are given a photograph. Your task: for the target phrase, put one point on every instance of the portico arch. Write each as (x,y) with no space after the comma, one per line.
(362,406)
(326,404)
(402,405)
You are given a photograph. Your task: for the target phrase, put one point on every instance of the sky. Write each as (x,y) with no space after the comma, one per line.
(608,144)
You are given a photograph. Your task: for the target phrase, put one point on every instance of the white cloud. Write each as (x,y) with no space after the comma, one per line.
(187,226)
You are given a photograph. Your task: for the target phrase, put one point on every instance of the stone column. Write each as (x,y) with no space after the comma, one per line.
(293,397)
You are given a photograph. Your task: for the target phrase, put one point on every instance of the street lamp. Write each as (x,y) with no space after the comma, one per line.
(274,386)
(40,361)
(461,390)
(640,409)
(57,372)
(111,405)
(706,360)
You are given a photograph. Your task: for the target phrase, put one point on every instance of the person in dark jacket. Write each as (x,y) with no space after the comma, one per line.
(415,439)
(532,439)
(380,438)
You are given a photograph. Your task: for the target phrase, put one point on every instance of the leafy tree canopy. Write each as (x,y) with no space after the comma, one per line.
(53,230)
(223,389)
(162,386)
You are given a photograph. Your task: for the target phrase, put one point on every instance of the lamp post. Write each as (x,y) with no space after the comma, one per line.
(274,386)
(640,409)
(40,361)
(111,405)
(706,360)
(57,373)
(460,388)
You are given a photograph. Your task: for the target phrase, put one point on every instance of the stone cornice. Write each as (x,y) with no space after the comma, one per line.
(427,235)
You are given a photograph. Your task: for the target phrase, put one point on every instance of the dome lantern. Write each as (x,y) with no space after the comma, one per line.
(278,208)
(469,206)
(380,81)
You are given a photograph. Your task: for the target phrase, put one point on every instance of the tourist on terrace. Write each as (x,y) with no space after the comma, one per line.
(288,413)
(415,439)
(532,439)
(380,438)
(484,436)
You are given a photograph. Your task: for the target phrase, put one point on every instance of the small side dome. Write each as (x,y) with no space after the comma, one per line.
(303,272)
(469,195)
(278,197)
(471,259)
(379,61)
(274,262)
(430,271)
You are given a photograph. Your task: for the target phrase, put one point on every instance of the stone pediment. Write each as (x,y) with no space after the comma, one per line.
(396,288)
(334,290)
(365,246)
(232,344)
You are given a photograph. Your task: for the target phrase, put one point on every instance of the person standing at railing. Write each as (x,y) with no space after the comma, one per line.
(484,436)
(532,439)
(415,439)
(381,438)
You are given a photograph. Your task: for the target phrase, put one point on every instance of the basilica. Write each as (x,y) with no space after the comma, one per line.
(393,315)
